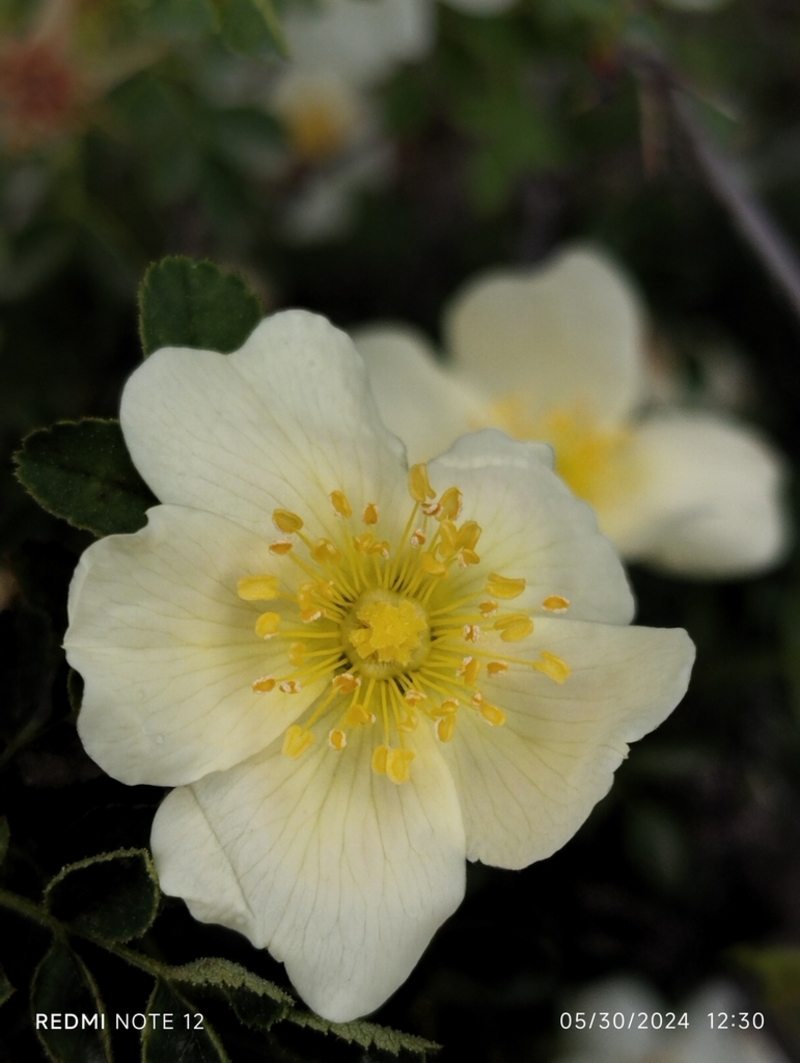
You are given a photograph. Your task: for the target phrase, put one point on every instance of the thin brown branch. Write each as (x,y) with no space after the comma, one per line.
(724,178)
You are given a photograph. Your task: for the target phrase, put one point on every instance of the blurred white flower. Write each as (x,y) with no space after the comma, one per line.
(556,354)
(354,679)
(643,1043)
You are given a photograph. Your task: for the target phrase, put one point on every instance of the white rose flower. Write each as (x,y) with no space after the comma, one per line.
(354,674)
(556,353)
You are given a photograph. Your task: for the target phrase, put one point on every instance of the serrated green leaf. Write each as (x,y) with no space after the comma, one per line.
(196,1042)
(4,837)
(183,303)
(82,471)
(62,986)
(257,1002)
(6,988)
(251,27)
(113,896)
(366,1034)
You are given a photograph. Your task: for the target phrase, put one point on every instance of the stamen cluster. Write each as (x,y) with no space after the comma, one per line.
(382,624)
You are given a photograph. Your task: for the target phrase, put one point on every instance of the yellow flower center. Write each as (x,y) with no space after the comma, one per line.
(595,461)
(318,130)
(389,633)
(383,630)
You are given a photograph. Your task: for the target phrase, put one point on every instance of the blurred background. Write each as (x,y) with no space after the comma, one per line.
(366,168)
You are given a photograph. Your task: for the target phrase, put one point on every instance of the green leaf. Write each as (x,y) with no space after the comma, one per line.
(251,27)
(6,988)
(82,471)
(113,896)
(62,986)
(366,1034)
(183,303)
(257,1002)
(4,837)
(196,1042)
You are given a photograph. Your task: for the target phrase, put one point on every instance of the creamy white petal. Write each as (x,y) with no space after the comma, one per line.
(527,786)
(168,650)
(281,422)
(533,527)
(562,335)
(709,502)
(418,399)
(362,42)
(343,875)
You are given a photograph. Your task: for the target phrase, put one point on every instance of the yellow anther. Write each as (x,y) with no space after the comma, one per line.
(450,504)
(448,706)
(470,669)
(379,758)
(398,764)
(383,548)
(504,586)
(431,565)
(264,684)
(519,629)
(471,632)
(445,728)
(414,696)
(407,724)
(419,486)
(308,616)
(448,538)
(488,608)
(494,717)
(553,667)
(280,548)
(364,543)
(258,588)
(556,603)
(325,553)
(286,521)
(357,715)
(477,698)
(337,739)
(468,557)
(290,686)
(297,652)
(296,741)
(431,509)
(503,622)
(370,514)
(495,668)
(267,625)
(340,503)
(468,535)
(346,683)
(418,537)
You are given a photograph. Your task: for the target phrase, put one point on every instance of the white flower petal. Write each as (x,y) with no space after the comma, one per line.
(419,400)
(709,504)
(558,336)
(339,872)
(281,422)
(533,527)
(361,41)
(527,786)
(168,650)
